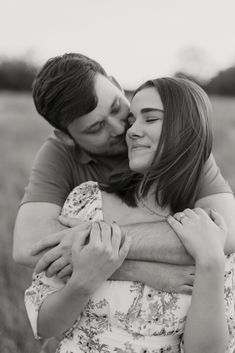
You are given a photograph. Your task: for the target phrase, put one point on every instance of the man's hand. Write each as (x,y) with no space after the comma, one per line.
(162,277)
(58,260)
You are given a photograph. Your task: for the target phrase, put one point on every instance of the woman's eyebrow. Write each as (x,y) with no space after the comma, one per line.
(147,110)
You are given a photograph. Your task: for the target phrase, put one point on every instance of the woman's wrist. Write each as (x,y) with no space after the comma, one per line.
(78,286)
(210,262)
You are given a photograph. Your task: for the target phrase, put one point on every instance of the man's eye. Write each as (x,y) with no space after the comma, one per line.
(116,108)
(96,128)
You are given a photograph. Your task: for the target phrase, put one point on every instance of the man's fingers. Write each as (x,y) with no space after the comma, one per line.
(175,224)
(56,266)
(51,256)
(47,242)
(95,236)
(105,232)
(71,221)
(116,237)
(81,234)
(218,219)
(125,247)
(65,272)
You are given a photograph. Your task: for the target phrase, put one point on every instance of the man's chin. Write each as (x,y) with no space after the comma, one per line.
(112,151)
(117,149)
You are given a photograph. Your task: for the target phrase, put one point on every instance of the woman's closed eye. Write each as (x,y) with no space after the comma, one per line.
(150,119)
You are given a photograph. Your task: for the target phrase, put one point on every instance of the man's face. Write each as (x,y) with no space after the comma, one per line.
(102,131)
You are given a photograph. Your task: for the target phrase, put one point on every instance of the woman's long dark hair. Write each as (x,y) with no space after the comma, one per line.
(184,146)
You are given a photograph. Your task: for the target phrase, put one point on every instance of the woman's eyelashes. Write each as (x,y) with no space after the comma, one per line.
(152,119)
(148,119)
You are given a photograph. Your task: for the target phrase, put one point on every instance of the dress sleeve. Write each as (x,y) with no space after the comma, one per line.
(229,295)
(85,202)
(212,180)
(41,287)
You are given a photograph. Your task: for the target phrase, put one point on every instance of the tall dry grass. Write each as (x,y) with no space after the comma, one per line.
(22,132)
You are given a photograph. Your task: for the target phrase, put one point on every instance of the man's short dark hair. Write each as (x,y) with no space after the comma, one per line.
(63,89)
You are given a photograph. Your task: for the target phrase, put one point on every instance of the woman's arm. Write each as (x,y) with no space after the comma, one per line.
(224,204)
(61,309)
(206,328)
(92,265)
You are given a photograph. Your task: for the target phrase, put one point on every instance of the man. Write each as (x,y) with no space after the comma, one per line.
(88,109)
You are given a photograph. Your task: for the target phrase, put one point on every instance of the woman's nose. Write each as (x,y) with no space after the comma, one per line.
(135,130)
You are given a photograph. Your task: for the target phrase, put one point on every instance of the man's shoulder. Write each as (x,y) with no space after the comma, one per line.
(54,141)
(56,148)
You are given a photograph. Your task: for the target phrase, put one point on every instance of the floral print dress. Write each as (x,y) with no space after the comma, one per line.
(122,316)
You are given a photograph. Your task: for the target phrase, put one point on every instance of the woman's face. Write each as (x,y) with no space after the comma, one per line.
(145,121)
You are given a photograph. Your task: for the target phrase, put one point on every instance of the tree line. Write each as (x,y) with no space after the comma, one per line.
(18,75)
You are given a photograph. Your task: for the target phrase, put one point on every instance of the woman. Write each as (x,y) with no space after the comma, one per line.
(169,140)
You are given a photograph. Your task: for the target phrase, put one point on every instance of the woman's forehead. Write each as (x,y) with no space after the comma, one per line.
(147,98)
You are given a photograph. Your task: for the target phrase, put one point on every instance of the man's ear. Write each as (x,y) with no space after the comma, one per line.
(65,138)
(115,82)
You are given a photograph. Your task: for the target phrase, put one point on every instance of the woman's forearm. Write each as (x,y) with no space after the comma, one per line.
(206,327)
(61,309)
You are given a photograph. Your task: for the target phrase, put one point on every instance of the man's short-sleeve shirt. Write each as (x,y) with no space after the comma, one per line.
(59,167)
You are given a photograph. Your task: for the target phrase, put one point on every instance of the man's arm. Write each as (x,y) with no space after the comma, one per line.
(151,242)
(158,242)
(35,220)
(163,277)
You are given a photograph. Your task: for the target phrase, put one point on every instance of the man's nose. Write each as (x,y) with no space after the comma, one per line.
(117,126)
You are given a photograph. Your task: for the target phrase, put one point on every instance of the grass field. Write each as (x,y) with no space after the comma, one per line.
(22,132)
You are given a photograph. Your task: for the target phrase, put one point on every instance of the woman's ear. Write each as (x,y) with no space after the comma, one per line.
(62,136)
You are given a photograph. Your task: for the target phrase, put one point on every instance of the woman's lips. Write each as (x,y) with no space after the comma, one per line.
(139,147)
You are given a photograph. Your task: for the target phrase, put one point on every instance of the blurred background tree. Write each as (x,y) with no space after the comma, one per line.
(16,74)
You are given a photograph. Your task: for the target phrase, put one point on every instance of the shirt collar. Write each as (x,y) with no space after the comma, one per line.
(82,156)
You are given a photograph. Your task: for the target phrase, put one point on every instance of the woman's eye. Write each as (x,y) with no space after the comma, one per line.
(152,119)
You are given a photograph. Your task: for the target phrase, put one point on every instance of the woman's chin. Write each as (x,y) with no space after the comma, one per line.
(137,167)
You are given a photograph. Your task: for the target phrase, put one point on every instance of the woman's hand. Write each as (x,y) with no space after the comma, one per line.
(96,260)
(202,236)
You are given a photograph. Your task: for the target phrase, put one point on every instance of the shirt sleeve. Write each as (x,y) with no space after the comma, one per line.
(51,178)
(212,180)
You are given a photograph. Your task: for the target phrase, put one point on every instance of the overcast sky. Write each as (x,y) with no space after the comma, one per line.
(133,39)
